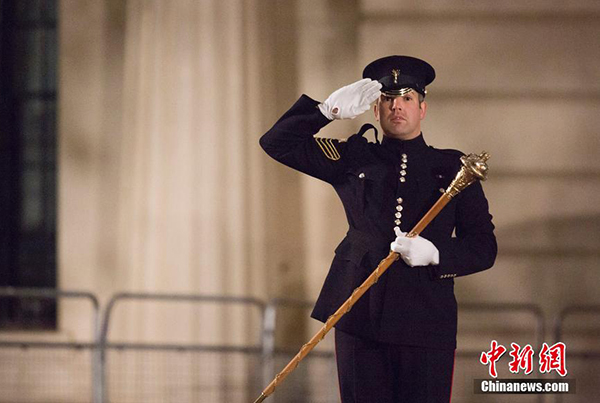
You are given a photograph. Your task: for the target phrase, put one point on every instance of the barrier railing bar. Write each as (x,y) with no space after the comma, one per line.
(314,353)
(47,344)
(459,353)
(582,354)
(53,293)
(183,347)
(268,342)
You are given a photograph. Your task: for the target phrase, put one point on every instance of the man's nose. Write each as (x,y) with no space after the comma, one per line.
(396,104)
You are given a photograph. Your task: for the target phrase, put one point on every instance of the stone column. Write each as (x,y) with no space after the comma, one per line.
(193,195)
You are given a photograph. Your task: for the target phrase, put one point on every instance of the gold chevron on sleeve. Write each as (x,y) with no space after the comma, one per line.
(328,148)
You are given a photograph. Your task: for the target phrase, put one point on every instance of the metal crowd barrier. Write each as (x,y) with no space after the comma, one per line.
(270,351)
(295,384)
(532,309)
(500,308)
(582,377)
(27,345)
(265,350)
(102,391)
(571,310)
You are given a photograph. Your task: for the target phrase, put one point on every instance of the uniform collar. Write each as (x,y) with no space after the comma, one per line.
(406,146)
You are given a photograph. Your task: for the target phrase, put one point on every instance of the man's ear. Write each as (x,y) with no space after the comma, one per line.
(376,111)
(423,110)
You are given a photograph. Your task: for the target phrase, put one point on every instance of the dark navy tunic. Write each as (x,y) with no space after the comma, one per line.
(381,186)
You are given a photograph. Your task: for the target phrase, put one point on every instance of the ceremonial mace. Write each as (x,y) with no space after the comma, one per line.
(474,167)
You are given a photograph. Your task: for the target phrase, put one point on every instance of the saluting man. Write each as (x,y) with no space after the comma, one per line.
(397,343)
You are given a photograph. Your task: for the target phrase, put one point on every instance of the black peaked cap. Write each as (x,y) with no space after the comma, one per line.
(398,74)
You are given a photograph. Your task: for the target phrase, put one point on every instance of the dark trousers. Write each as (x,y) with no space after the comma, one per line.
(376,372)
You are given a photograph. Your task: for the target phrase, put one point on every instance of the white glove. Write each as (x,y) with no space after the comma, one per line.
(416,251)
(352,100)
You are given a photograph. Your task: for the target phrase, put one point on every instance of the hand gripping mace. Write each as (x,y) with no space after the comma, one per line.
(474,167)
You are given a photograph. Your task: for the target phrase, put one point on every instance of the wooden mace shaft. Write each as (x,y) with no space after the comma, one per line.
(349,303)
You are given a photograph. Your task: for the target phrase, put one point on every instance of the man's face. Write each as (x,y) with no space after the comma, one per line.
(400,117)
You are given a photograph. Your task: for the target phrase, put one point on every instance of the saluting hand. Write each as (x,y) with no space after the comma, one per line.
(352,100)
(416,251)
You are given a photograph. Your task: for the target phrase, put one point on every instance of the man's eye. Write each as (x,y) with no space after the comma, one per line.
(407,98)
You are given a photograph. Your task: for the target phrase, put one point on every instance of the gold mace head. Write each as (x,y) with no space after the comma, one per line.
(474,167)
